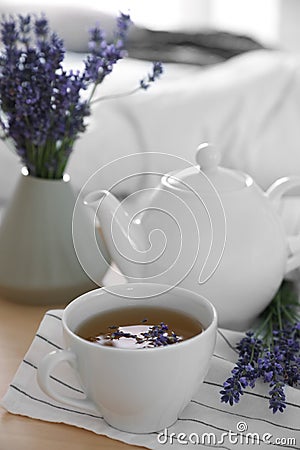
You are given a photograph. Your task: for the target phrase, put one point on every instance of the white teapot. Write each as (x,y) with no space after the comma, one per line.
(208,229)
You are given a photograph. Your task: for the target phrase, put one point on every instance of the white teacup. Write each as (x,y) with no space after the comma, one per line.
(142,390)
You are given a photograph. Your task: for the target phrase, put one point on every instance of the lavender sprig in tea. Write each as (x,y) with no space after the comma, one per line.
(139,327)
(155,336)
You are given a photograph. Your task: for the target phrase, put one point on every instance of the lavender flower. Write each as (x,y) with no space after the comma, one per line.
(123,22)
(40,26)
(156,336)
(271,371)
(245,373)
(42,109)
(272,353)
(157,70)
(104,55)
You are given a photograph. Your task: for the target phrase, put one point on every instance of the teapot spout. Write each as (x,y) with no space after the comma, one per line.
(124,237)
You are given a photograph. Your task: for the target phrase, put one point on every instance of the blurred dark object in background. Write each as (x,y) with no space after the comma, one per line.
(203,48)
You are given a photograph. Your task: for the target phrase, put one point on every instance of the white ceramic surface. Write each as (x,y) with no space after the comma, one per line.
(38,263)
(208,229)
(141,390)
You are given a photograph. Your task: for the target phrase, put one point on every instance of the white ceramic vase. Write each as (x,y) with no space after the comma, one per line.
(38,262)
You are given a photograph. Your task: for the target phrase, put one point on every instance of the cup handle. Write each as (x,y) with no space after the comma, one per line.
(45,368)
(275,193)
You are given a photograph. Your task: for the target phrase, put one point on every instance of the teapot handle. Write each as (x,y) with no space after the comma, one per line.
(275,193)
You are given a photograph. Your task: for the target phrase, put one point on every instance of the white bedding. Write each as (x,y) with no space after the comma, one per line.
(248,106)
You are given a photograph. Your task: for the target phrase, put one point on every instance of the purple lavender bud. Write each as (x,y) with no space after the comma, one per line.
(244,382)
(268,376)
(123,24)
(9,33)
(41,27)
(157,70)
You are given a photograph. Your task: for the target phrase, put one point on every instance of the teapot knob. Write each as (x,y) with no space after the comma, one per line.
(207,156)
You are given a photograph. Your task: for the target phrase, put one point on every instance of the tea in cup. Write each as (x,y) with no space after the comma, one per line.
(141,351)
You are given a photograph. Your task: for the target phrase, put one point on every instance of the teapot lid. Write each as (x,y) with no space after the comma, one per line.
(208,159)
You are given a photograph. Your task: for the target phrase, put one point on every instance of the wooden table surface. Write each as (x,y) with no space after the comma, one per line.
(18,324)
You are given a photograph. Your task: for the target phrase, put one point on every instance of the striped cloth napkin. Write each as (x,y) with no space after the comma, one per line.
(205,422)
